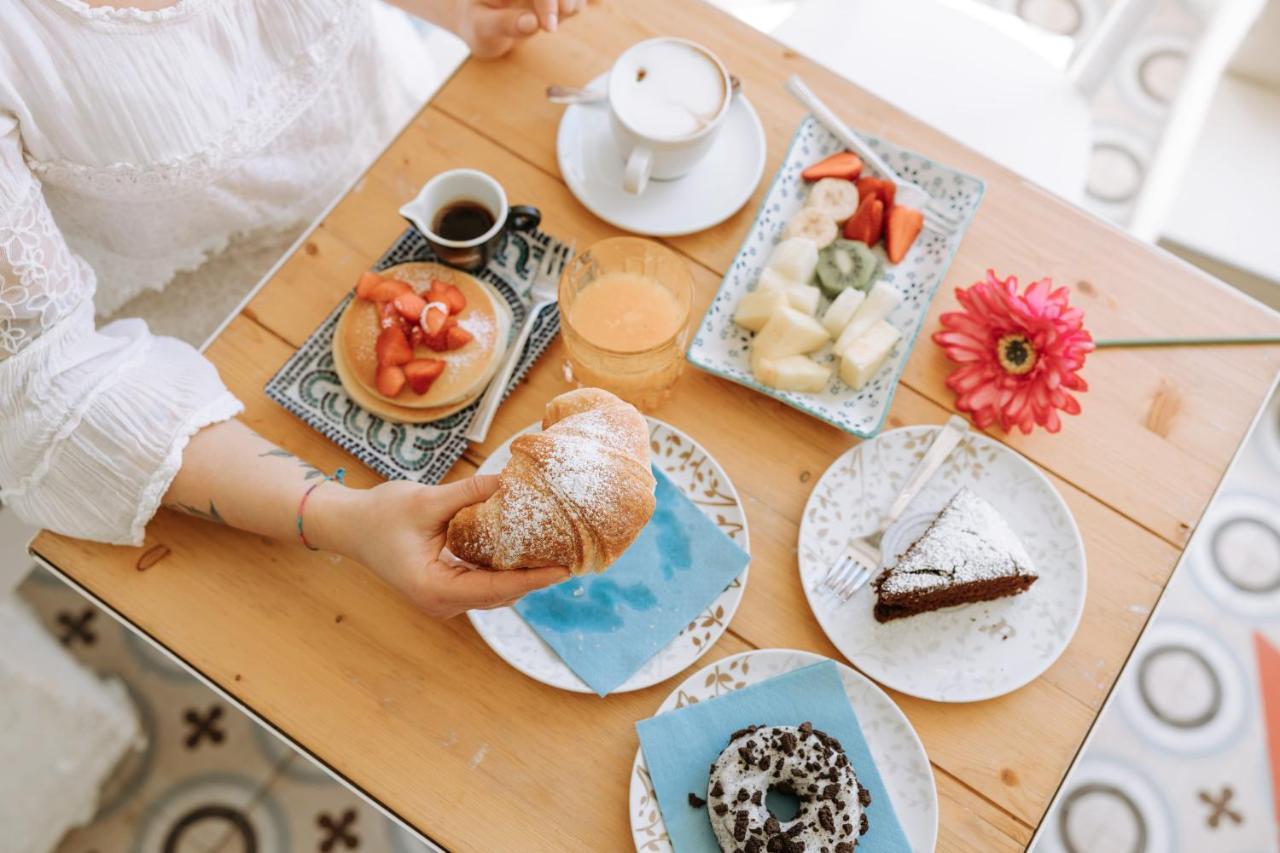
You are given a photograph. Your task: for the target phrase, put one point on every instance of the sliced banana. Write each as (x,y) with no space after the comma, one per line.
(814,224)
(835,197)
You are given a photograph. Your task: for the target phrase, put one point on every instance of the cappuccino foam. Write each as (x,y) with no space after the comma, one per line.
(667,90)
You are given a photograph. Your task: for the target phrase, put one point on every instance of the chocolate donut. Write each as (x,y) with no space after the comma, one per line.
(796,759)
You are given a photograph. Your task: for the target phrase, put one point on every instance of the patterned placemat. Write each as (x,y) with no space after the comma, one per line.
(308,386)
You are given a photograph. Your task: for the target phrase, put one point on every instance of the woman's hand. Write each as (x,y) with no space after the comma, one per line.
(492,27)
(398,529)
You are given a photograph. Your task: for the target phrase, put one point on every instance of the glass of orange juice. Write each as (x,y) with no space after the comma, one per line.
(624,312)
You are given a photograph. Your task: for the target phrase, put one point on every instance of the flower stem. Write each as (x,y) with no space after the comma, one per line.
(1124,343)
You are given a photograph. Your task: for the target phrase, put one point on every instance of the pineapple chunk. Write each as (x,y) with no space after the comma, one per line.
(795,259)
(774,280)
(840,312)
(804,297)
(864,357)
(756,307)
(792,373)
(789,332)
(882,299)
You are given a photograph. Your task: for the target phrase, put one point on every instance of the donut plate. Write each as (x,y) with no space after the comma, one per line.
(897,751)
(701,478)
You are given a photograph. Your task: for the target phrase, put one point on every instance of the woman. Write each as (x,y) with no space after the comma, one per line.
(136,143)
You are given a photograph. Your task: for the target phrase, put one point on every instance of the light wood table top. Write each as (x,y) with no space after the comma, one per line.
(430,723)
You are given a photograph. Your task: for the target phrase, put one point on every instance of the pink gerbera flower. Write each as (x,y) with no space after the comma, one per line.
(1018,355)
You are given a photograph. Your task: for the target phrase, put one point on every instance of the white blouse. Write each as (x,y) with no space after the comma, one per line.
(133,145)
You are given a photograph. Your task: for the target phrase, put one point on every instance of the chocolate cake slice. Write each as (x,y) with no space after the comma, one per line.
(967,554)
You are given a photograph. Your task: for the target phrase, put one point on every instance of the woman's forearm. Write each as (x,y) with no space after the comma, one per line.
(231,475)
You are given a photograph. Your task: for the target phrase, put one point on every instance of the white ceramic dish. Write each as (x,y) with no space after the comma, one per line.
(713,191)
(894,745)
(700,476)
(957,654)
(721,347)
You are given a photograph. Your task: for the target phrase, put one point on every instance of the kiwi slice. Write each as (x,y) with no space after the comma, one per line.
(845,264)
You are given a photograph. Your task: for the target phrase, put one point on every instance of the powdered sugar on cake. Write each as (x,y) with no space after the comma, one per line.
(968,541)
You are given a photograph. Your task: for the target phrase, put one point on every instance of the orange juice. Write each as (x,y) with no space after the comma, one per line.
(625,312)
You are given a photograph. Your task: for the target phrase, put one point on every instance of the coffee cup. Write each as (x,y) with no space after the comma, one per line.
(668,98)
(464,215)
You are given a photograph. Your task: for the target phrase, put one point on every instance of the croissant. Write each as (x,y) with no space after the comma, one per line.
(576,494)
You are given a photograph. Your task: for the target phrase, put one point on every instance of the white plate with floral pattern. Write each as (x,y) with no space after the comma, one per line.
(894,745)
(957,654)
(721,347)
(700,476)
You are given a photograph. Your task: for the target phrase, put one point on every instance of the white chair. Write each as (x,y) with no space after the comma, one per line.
(1018,94)
(1235,159)
(981,76)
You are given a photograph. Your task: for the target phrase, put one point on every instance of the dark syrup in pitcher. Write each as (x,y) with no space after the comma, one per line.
(463,220)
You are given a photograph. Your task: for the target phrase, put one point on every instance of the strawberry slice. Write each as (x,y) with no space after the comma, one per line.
(388,290)
(880,187)
(868,222)
(410,306)
(390,380)
(422,372)
(435,293)
(393,347)
(845,165)
(389,317)
(434,318)
(368,281)
(417,337)
(454,299)
(457,338)
(901,231)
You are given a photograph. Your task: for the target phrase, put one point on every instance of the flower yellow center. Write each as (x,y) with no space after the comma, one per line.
(1017,355)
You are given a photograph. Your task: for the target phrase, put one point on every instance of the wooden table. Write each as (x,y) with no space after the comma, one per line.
(429,722)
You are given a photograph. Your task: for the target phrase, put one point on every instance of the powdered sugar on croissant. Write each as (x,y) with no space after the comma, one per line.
(576,494)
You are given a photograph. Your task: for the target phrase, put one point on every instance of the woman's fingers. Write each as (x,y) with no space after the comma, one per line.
(451,497)
(548,13)
(496,28)
(487,589)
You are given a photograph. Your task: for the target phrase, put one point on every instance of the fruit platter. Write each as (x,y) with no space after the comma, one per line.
(824,301)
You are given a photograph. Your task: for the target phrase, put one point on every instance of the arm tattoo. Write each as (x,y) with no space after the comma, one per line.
(312,471)
(211,514)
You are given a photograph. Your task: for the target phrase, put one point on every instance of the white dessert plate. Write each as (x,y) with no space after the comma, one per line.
(894,745)
(716,188)
(957,654)
(721,347)
(705,482)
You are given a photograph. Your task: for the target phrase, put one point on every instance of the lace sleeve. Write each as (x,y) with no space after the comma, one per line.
(93,422)
(40,279)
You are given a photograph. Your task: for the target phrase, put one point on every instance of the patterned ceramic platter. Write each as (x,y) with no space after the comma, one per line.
(894,745)
(958,654)
(721,347)
(700,476)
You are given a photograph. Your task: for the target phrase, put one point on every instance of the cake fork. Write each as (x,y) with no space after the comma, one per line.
(860,561)
(542,293)
(936,217)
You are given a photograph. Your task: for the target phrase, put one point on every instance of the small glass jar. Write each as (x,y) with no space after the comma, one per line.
(628,335)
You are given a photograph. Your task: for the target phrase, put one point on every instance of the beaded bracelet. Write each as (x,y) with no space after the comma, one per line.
(340,475)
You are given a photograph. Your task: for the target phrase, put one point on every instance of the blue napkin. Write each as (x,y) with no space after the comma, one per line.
(680,745)
(606,626)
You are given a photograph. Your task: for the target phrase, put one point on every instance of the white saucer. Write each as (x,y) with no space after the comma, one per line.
(716,188)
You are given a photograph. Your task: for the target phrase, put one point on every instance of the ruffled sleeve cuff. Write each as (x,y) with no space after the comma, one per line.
(97,442)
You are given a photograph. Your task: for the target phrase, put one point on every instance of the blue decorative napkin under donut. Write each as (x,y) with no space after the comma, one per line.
(308,386)
(606,626)
(680,745)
